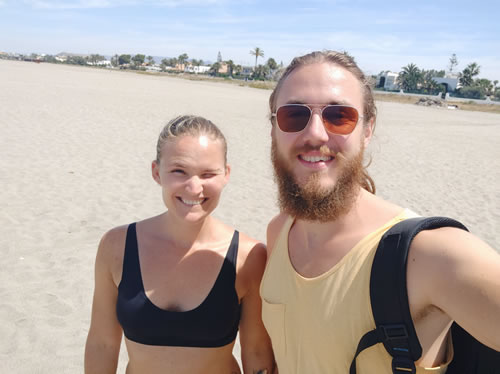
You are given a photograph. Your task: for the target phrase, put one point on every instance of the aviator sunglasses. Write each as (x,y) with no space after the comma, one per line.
(337,119)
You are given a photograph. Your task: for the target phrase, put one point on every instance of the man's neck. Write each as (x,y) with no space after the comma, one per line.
(367,213)
(343,222)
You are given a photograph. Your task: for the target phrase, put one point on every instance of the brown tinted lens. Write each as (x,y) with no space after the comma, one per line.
(293,118)
(340,119)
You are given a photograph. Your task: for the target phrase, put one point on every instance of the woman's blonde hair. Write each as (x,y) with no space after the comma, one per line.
(189,125)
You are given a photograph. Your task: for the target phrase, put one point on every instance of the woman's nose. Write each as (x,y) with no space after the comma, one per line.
(195,185)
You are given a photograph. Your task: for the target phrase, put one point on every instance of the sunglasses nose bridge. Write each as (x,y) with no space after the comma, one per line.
(315,111)
(315,127)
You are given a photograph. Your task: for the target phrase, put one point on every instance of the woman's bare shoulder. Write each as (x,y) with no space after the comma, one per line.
(250,247)
(111,250)
(114,237)
(252,256)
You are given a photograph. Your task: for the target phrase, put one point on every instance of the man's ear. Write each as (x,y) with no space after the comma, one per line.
(155,171)
(368,131)
(273,128)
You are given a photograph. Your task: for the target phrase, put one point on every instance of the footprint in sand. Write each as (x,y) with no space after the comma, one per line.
(8,331)
(57,322)
(56,306)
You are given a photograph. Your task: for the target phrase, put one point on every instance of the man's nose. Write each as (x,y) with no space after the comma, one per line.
(315,132)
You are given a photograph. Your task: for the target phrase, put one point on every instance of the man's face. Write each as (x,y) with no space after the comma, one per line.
(304,178)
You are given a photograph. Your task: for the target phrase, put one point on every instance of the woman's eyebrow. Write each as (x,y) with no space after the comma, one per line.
(218,170)
(176,164)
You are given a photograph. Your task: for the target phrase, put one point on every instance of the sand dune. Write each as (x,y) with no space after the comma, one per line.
(75,152)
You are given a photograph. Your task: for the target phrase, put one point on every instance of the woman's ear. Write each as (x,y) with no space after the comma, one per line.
(228,171)
(155,171)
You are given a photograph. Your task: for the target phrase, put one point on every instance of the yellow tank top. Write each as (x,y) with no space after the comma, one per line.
(315,324)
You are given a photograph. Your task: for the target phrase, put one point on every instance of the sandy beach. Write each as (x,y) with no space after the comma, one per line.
(76,146)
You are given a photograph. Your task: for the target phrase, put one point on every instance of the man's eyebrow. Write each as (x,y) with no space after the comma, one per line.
(333,102)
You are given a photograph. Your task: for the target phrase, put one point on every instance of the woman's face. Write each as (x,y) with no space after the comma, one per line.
(192,173)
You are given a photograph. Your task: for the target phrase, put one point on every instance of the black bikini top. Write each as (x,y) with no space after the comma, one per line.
(214,323)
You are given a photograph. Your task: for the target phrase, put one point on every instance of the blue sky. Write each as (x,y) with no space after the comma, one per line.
(382,35)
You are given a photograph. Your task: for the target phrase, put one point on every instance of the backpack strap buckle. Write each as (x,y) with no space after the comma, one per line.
(392,332)
(403,365)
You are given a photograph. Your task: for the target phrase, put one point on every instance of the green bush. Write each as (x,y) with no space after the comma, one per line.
(473,92)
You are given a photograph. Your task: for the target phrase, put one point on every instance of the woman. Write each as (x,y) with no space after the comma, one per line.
(181,284)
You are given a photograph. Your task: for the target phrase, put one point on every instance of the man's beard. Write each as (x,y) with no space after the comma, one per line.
(311,202)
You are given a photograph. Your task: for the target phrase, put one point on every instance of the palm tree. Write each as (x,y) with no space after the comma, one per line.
(230,67)
(182,60)
(410,77)
(114,60)
(164,64)
(215,68)
(466,77)
(138,59)
(95,58)
(429,85)
(257,52)
(272,64)
(261,72)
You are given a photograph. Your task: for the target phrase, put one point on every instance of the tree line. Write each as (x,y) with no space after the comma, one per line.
(267,70)
(415,80)
(411,78)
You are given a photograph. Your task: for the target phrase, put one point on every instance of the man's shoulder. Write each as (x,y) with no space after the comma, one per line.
(278,221)
(445,241)
(274,228)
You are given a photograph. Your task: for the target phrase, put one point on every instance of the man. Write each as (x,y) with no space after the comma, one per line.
(315,290)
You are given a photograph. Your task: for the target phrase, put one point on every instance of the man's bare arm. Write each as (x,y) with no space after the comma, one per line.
(459,274)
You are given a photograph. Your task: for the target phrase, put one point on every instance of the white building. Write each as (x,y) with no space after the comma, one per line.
(154,67)
(106,63)
(450,82)
(197,69)
(388,81)
(246,71)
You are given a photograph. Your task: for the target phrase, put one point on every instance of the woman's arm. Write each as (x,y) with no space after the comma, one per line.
(256,350)
(105,333)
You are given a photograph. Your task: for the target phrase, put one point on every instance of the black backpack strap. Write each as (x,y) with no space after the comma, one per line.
(389,296)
